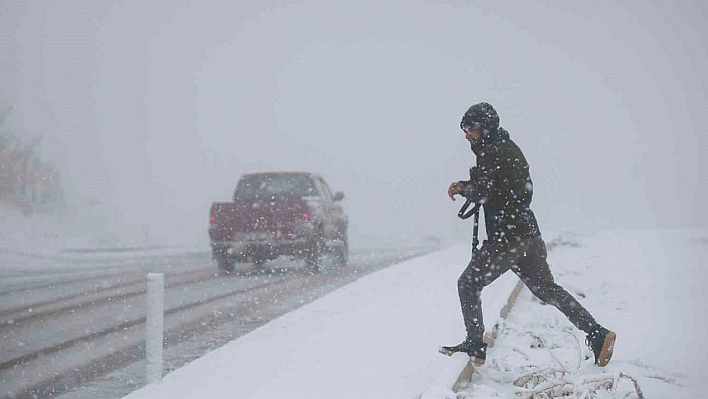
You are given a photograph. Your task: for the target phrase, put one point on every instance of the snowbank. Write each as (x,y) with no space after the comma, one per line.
(648,286)
(66,235)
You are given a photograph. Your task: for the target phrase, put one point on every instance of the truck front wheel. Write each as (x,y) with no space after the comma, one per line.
(341,253)
(315,252)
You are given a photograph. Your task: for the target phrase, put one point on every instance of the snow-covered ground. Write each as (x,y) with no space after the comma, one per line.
(377,337)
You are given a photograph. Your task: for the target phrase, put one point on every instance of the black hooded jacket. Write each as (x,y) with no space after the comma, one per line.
(502,184)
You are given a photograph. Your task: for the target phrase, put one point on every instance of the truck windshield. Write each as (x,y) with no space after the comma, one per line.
(258,188)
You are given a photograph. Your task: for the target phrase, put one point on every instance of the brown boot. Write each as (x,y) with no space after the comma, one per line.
(602,343)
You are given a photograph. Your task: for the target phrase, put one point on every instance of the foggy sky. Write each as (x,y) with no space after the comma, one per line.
(155,108)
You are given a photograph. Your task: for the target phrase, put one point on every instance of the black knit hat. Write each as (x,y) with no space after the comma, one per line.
(482,115)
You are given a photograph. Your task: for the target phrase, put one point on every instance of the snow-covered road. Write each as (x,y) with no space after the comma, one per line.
(68,323)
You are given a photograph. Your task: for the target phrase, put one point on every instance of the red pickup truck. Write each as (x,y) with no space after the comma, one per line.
(279,213)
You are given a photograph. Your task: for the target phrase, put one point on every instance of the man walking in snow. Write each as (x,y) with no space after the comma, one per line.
(502,185)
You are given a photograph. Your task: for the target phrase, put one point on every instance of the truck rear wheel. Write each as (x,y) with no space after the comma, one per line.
(258,264)
(225,264)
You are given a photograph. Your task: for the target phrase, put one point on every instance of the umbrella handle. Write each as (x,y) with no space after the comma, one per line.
(464,214)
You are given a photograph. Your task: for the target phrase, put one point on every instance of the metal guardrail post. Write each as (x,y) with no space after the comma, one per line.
(154,329)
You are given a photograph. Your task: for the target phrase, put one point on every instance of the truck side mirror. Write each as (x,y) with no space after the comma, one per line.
(338,196)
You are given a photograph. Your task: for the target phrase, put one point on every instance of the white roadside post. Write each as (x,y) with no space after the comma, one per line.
(155,314)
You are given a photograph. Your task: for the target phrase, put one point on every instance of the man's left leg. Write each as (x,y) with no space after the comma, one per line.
(534,271)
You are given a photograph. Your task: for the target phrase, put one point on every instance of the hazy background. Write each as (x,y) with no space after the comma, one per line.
(152,109)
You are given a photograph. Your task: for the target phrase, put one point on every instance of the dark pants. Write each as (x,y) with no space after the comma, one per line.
(526,258)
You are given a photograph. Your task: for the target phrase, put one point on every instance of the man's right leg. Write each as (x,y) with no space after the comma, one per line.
(486,265)
(483,269)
